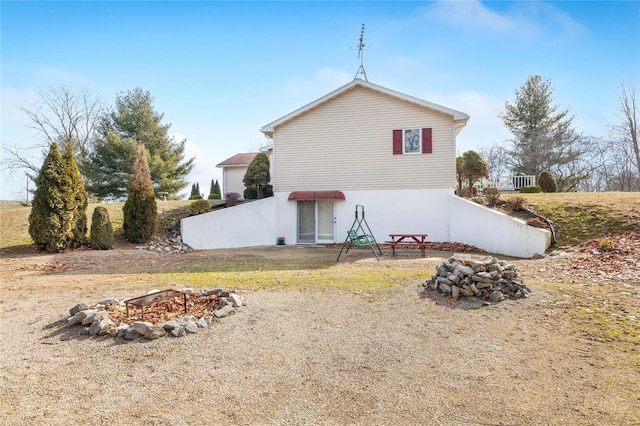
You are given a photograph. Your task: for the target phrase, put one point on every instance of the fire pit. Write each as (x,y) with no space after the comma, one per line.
(168,312)
(146,300)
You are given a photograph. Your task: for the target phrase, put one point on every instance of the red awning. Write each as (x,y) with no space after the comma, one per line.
(315,195)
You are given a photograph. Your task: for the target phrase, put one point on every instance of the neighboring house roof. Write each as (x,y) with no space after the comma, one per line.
(242,159)
(460,118)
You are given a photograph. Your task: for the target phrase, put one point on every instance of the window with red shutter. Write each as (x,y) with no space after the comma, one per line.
(397,142)
(427,147)
(426,140)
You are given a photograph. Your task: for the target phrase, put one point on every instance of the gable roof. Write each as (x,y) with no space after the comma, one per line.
(239,160)
(460,118)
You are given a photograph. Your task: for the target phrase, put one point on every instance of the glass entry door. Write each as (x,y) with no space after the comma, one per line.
(316,222)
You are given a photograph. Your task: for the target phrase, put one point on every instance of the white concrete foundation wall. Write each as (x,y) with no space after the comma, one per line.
(244,225)
(418,211)
(494,231)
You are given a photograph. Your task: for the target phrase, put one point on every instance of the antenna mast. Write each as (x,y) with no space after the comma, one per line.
(361,56)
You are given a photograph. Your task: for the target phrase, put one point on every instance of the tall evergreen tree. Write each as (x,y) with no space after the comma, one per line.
(80,200)
(134,121)
(257,175)
(544,138)
(140,210)
(218,190)
(473,167)
(53,213)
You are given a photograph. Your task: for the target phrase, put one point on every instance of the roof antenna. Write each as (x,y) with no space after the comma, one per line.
(361,56)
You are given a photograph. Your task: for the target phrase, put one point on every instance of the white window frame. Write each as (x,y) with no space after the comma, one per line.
(404,142)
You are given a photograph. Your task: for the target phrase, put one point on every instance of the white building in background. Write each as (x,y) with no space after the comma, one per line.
(233,171)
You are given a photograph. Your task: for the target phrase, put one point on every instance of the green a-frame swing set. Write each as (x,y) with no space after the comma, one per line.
(357,236)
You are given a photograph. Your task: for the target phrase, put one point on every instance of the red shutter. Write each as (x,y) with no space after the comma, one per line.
(397,142)
(427,140)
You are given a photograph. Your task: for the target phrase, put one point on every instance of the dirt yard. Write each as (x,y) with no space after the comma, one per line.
(569,354)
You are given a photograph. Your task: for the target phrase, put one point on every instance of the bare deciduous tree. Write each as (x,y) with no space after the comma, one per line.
(62,115)
(497,160)
(629,128)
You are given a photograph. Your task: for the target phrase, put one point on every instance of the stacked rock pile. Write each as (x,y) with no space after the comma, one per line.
(482,277)
(97,321)
(172,245)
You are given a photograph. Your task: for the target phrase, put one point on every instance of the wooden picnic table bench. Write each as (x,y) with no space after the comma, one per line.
(408,241)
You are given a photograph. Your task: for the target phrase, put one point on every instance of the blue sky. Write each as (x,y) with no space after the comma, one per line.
(219,71)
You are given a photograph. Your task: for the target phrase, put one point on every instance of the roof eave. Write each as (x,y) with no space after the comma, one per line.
(456,115)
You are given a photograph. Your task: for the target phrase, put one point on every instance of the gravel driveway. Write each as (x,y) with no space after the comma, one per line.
(313,357)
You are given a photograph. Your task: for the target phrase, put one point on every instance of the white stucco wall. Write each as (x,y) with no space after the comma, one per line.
(386,212)
(494,231)
(437,212)
(245,225)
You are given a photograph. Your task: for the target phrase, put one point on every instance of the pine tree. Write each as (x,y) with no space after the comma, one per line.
(257,175)
(140,209)
(53,213)
(213,191)
(134,121)
(195,192)
(543,136)
(218,191)
(79,195)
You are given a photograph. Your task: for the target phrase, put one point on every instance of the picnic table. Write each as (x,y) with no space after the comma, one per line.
(408,241)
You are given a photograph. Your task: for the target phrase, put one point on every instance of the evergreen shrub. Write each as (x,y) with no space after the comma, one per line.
(199,207)
(101,229)
(250,193)
(530,189)
(80,200)
(213,197)
(52,219)
(140,211)
(547,182)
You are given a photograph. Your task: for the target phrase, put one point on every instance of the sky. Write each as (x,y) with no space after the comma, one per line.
(219,71)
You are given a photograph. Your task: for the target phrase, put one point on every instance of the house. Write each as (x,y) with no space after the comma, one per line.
(364,144)
(233,171)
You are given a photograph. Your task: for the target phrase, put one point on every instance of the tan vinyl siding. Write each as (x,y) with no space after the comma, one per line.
(346,144)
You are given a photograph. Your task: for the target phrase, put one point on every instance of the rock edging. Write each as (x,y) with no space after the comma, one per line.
(97,321)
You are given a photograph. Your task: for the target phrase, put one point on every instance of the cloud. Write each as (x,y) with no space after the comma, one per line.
(527,18)
(470,15)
